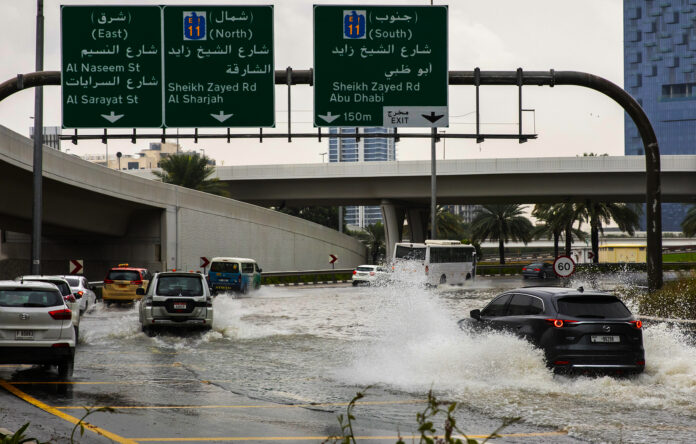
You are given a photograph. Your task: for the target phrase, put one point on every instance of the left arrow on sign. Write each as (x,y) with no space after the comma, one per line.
(112,117)
(221,117)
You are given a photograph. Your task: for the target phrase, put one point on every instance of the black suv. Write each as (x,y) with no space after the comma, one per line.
(578,330)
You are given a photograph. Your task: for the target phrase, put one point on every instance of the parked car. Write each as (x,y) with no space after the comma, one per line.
(68,296)
(36,326)
(234,274)
(82,291)
(576,329)
(541,270)
(121,283)
(369,274)
(176,299)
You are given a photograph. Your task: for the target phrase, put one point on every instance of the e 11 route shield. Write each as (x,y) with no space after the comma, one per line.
(111,66)
(218,66)
(380,66)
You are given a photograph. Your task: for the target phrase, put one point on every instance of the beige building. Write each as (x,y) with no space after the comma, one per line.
(146,159)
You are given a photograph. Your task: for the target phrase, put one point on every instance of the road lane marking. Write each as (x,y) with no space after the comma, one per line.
(269,406)
(71,419)
(324,438)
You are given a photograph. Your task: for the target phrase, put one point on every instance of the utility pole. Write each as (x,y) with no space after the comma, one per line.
(37,213)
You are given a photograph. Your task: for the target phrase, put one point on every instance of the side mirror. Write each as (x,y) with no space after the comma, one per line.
(260,270)
(140,291)
(77,295)
(476,314)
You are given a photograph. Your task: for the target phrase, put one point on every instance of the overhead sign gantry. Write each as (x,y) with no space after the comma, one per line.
(380,66)
(169,66)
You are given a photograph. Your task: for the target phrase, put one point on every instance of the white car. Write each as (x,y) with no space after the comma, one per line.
(36,326)
(82,291)
(64,288)
(369,274)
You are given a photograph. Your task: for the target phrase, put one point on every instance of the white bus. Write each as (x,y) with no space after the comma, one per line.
(440,261)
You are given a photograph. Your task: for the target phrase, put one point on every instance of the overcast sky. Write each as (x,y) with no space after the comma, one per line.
(492,34)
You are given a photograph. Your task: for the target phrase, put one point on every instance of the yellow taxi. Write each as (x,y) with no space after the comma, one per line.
(121,283)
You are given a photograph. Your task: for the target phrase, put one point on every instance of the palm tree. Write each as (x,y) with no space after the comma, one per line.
(557,219)
(689,222)
(449,226)
(599,213)
(190,170)
(502,222)
(374,239)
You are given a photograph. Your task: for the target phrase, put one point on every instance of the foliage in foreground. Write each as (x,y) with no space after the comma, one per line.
(20,438)
(676,299)
(426,424)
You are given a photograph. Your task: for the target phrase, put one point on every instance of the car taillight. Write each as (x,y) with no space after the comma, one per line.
(138,282)
(524,269)
(637,324)
(239,278)
(559,323)
(108,281)
(537,269)
(60,345)
(61,315)
(372,273)
(640,362)
(355,271)
(69,298)
(80,293)
(561,362)
(426,269)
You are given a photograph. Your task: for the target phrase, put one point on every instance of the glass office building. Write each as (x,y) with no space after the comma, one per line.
(660,72)
(350,149)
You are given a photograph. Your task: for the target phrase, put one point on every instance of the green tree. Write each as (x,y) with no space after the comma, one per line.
(374,239)
(599,214)
(449,226)
(689,223)
(326,216)
(502,222)
(191,170)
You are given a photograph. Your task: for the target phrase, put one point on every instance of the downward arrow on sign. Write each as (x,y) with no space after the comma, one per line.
(113,117)
(220,117)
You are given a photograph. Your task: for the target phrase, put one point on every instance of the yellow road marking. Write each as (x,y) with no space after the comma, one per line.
(269,406)
(71,419)
(324,438)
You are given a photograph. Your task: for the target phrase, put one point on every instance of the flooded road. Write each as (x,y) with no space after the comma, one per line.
(313,348)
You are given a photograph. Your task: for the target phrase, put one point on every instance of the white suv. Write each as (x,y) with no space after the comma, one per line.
(369,274)
(65,290)
(36,326)
(176,299)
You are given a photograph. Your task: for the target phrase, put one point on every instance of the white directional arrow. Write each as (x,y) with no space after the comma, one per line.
(328,117)
(112,117)
(221,117)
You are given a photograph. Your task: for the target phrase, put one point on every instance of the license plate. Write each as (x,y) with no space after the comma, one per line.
(605,338)
(224,280)
(25,334)
(179,306)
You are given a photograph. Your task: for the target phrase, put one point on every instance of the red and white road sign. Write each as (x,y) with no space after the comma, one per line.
(75,266)
(204,262)
(563,266)
(333,258)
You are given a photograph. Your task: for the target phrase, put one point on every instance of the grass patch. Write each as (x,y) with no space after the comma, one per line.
(679,257)
(676,299)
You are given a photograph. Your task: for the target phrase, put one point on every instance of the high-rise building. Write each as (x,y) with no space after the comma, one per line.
(660,72)
(367,149)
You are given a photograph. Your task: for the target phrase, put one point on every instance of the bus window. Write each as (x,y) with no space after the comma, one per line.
(404,252)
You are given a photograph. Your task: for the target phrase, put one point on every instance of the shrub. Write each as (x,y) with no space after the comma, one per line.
(676,299)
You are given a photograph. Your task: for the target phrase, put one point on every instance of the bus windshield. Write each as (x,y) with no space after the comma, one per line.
(410,253)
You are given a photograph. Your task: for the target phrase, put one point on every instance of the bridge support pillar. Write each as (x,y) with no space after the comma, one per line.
(418,223)
(393,216)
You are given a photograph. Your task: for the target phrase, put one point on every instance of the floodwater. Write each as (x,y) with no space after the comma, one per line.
(302,345)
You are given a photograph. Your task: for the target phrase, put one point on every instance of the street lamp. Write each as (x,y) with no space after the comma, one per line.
(118,154)
(322,156)
(202,150)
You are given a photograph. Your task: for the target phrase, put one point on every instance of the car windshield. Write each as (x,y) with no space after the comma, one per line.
(404,252)
(179,285)
(224,267)
(73,282)
(593,307)
(536,265)
(123,275)
(23,297)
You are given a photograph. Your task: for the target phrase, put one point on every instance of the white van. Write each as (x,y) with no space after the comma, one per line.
(441,261)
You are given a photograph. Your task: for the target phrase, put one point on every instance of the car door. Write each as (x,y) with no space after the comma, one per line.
(522,316)
(493,315)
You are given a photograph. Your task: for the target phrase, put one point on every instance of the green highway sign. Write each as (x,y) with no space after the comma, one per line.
(218,66)
(111,66)
(380,66)
(166,66)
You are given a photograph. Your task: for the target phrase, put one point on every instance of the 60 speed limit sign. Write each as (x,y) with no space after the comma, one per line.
(563,266)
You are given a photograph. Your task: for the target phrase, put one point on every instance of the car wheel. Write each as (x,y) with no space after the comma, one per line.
(77,334)
(543,275)
(443,279)
(65,368)
(148,331)
(355,283)
(525,277)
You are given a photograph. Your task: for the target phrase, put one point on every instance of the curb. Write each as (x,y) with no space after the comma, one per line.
(297,284)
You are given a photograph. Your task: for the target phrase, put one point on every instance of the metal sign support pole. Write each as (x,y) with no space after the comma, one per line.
(37,216)
(433,187)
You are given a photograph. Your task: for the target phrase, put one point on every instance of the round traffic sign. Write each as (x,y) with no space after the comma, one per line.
(563,266)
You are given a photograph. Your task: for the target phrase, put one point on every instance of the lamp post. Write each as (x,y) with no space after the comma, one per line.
(118,155)
(322,156)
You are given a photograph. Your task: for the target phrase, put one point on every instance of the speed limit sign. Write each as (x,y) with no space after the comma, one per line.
(563,266)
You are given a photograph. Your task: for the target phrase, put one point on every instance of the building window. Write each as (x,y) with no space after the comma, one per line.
(678,91)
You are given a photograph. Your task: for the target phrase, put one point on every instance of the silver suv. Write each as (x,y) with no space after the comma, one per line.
(176,299)
(36,326)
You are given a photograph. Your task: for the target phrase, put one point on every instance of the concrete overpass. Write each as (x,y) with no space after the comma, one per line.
(106,217)
(403,188)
